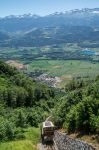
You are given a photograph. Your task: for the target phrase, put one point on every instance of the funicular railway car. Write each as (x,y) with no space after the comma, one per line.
(47,131)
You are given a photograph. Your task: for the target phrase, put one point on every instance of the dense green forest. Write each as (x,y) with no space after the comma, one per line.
(78,111)
(23,102)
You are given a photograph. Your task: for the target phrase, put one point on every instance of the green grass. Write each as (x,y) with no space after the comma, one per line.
(33,134)
(30,143)
(17,145)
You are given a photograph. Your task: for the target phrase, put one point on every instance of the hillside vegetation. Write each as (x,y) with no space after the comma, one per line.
(23,103)
(78,111)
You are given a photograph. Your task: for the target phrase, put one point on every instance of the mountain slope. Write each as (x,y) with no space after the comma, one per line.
(3,36)
(56,35)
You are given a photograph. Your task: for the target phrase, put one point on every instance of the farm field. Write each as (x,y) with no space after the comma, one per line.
(62,68)
(30,142)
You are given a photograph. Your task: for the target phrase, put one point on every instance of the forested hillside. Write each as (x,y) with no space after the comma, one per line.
(23,102)
(78,111)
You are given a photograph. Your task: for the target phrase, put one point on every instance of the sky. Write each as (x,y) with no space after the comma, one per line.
(43,7)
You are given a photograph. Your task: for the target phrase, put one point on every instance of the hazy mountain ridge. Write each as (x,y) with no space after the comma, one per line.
(61,27)
(86,17)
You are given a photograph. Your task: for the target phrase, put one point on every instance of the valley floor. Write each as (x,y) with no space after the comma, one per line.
(65,69)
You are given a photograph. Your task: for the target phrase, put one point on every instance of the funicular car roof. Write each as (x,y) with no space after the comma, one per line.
(47,124)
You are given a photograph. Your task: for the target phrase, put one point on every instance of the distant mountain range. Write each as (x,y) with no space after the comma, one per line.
(75,26)
(86,17)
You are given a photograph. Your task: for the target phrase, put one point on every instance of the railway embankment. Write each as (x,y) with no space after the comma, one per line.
(64,142)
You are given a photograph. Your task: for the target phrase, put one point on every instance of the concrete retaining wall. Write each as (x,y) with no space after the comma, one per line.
(64,142)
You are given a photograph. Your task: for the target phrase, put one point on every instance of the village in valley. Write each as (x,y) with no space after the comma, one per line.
(49,80)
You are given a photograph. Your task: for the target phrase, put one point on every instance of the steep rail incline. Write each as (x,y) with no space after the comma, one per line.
(63,142)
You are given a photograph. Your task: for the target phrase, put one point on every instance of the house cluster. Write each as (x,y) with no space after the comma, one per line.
(49,80)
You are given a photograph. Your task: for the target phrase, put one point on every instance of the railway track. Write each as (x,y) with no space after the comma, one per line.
(47,146)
